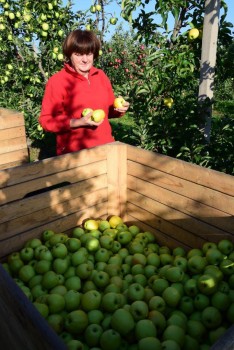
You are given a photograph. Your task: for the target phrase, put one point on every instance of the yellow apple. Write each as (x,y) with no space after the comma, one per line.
(98,115)
(168,102)
(193,34)
(119,102)
(86,111)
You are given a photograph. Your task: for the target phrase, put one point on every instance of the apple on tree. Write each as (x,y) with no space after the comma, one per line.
(113,20)
(193,34)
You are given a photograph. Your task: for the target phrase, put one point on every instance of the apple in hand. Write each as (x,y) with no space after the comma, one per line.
(119,102)
(98,115)
(87,111)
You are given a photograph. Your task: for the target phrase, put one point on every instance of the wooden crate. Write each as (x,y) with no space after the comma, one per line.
(13,150)
(181,203)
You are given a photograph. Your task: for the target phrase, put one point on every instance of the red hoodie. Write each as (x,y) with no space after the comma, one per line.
(67,93)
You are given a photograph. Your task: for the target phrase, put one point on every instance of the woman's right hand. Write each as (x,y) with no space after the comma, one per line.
(84,121)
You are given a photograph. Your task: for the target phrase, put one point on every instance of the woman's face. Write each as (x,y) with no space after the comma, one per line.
(82,62)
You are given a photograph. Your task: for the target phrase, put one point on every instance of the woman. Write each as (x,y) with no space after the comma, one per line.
(79,85)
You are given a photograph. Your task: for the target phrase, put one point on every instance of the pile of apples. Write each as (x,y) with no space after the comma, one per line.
(109,285)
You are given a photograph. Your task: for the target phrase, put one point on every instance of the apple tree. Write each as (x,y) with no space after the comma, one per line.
(171,73)
(31,34)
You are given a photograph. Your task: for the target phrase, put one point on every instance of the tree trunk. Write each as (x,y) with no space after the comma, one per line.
(208,61)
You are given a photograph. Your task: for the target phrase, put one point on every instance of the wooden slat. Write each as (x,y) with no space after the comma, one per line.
(116,175)
(9,118)
(9,134)
(52,165)
(191,172)
(161,237)
(189,189)
(20,190)
(51,213)
(20,156)
(175,217)
(60,224)
(183,205)
(168,232)
(15,144)
(52,198)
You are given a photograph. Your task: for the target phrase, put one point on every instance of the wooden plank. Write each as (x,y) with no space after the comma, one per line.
(51,213)
(209,178)
(60,224)
(15,144)
(177,218)
(162,238)
(9,134)
(183,205)
(175,184)
(52,165)
(116,177)
(10,119)
(166,233)
(81,173)
(52,198)
(20,156)
(12,164)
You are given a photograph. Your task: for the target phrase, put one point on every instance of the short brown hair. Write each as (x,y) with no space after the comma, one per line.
(81,41)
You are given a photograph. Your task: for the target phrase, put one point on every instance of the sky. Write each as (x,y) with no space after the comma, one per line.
(114,10)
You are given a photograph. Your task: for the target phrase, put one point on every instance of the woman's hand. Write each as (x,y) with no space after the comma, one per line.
(84,121)
(123,109)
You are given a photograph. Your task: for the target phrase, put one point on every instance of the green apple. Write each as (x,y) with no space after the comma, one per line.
(225,246)
(42,308)
(176,333)
(38,291)
(72,300)
(60,289)
(220,301)
(101,279)
(27,254)
(106,242)
(73,244)
(158,319)
(76,322)
(73,282)
(56,303)
(141,279)
(34,281)
(90,300)
(55,321)
(196,264)
(196,329)
(159,285)
(135,292)
(113,20)
(171,296)
(93,9)
(150,270)
(170,345)
(113,269)
(124,237)
(79,257)
(179,251)
(75,344)
(112,232)
(207,284)
(227,267)
(110,339)
(190,287)
(95,316)
(214,271)
(60,265)
(201,301)
(57,238)
(139,310)
(93,334)
(50,280)
(15,265)
(33,243)
(42,266)
(211,317)
(174,274)
(78,232)
(230,313)
(145,328)
(186,305)
(166,259)
(84,270)
(111,301)
(59,250)
(208,245)
(214,256)
(157,303)
(153,259)
(26,272)
(194,251)
(178,320)
(122,321)
(137,268)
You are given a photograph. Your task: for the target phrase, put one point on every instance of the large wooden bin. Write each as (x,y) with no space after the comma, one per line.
(182,204)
